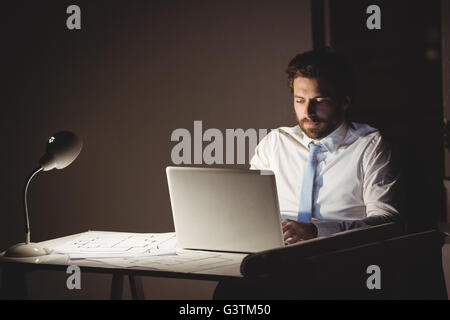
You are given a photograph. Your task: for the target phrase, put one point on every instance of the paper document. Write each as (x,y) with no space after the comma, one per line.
(145,251)
(184,261)
(102,244)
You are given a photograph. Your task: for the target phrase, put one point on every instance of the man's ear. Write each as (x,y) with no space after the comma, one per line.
(346,102)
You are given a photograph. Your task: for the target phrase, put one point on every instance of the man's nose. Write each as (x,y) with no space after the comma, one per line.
(310,109)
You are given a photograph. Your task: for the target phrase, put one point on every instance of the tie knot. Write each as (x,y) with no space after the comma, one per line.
(314,146)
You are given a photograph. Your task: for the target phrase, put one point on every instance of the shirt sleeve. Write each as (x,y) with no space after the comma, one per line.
(380,182)
(263,152)
(379,191)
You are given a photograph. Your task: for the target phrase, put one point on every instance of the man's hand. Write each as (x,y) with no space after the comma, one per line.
(294,231)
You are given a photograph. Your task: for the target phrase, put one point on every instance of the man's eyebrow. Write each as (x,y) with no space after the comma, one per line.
(319,96)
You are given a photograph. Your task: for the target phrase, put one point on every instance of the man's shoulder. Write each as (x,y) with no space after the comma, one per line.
(362,132)
(368,138)
(282,132)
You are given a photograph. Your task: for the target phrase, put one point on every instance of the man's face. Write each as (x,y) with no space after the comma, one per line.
(318,112)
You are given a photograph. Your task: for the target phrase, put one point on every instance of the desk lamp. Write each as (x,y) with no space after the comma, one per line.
(62,149)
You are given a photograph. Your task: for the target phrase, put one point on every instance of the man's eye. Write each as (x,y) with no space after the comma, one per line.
(300,101)
(323,100)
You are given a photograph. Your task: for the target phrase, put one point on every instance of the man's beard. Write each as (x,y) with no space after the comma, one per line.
(321,130)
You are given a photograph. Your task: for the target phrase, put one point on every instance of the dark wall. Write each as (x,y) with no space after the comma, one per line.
(445,14)
(136,71)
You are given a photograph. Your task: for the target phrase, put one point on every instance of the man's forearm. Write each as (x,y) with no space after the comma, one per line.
(327,227)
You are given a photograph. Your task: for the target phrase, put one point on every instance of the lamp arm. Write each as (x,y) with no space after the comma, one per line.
(27,222)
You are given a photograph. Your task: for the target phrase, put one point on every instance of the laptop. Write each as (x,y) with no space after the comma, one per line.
(225,209)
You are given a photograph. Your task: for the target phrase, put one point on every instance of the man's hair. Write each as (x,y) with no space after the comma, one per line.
(324,65)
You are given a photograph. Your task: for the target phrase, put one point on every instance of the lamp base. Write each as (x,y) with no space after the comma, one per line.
(22,250)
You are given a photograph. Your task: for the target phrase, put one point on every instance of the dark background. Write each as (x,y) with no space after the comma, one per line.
(137,70)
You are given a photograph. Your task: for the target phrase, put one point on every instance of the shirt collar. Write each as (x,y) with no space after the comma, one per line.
(331,142)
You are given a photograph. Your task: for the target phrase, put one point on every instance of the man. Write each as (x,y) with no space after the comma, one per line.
(332,175)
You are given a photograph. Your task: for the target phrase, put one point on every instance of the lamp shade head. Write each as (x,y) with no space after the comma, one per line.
(62,149)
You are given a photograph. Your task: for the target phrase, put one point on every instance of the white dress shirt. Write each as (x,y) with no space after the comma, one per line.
(354,180)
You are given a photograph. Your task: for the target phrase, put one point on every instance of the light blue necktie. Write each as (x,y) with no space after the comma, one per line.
(306,195)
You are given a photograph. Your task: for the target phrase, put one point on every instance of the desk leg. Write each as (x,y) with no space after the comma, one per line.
(13,284)
(117,286)
(137,290)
